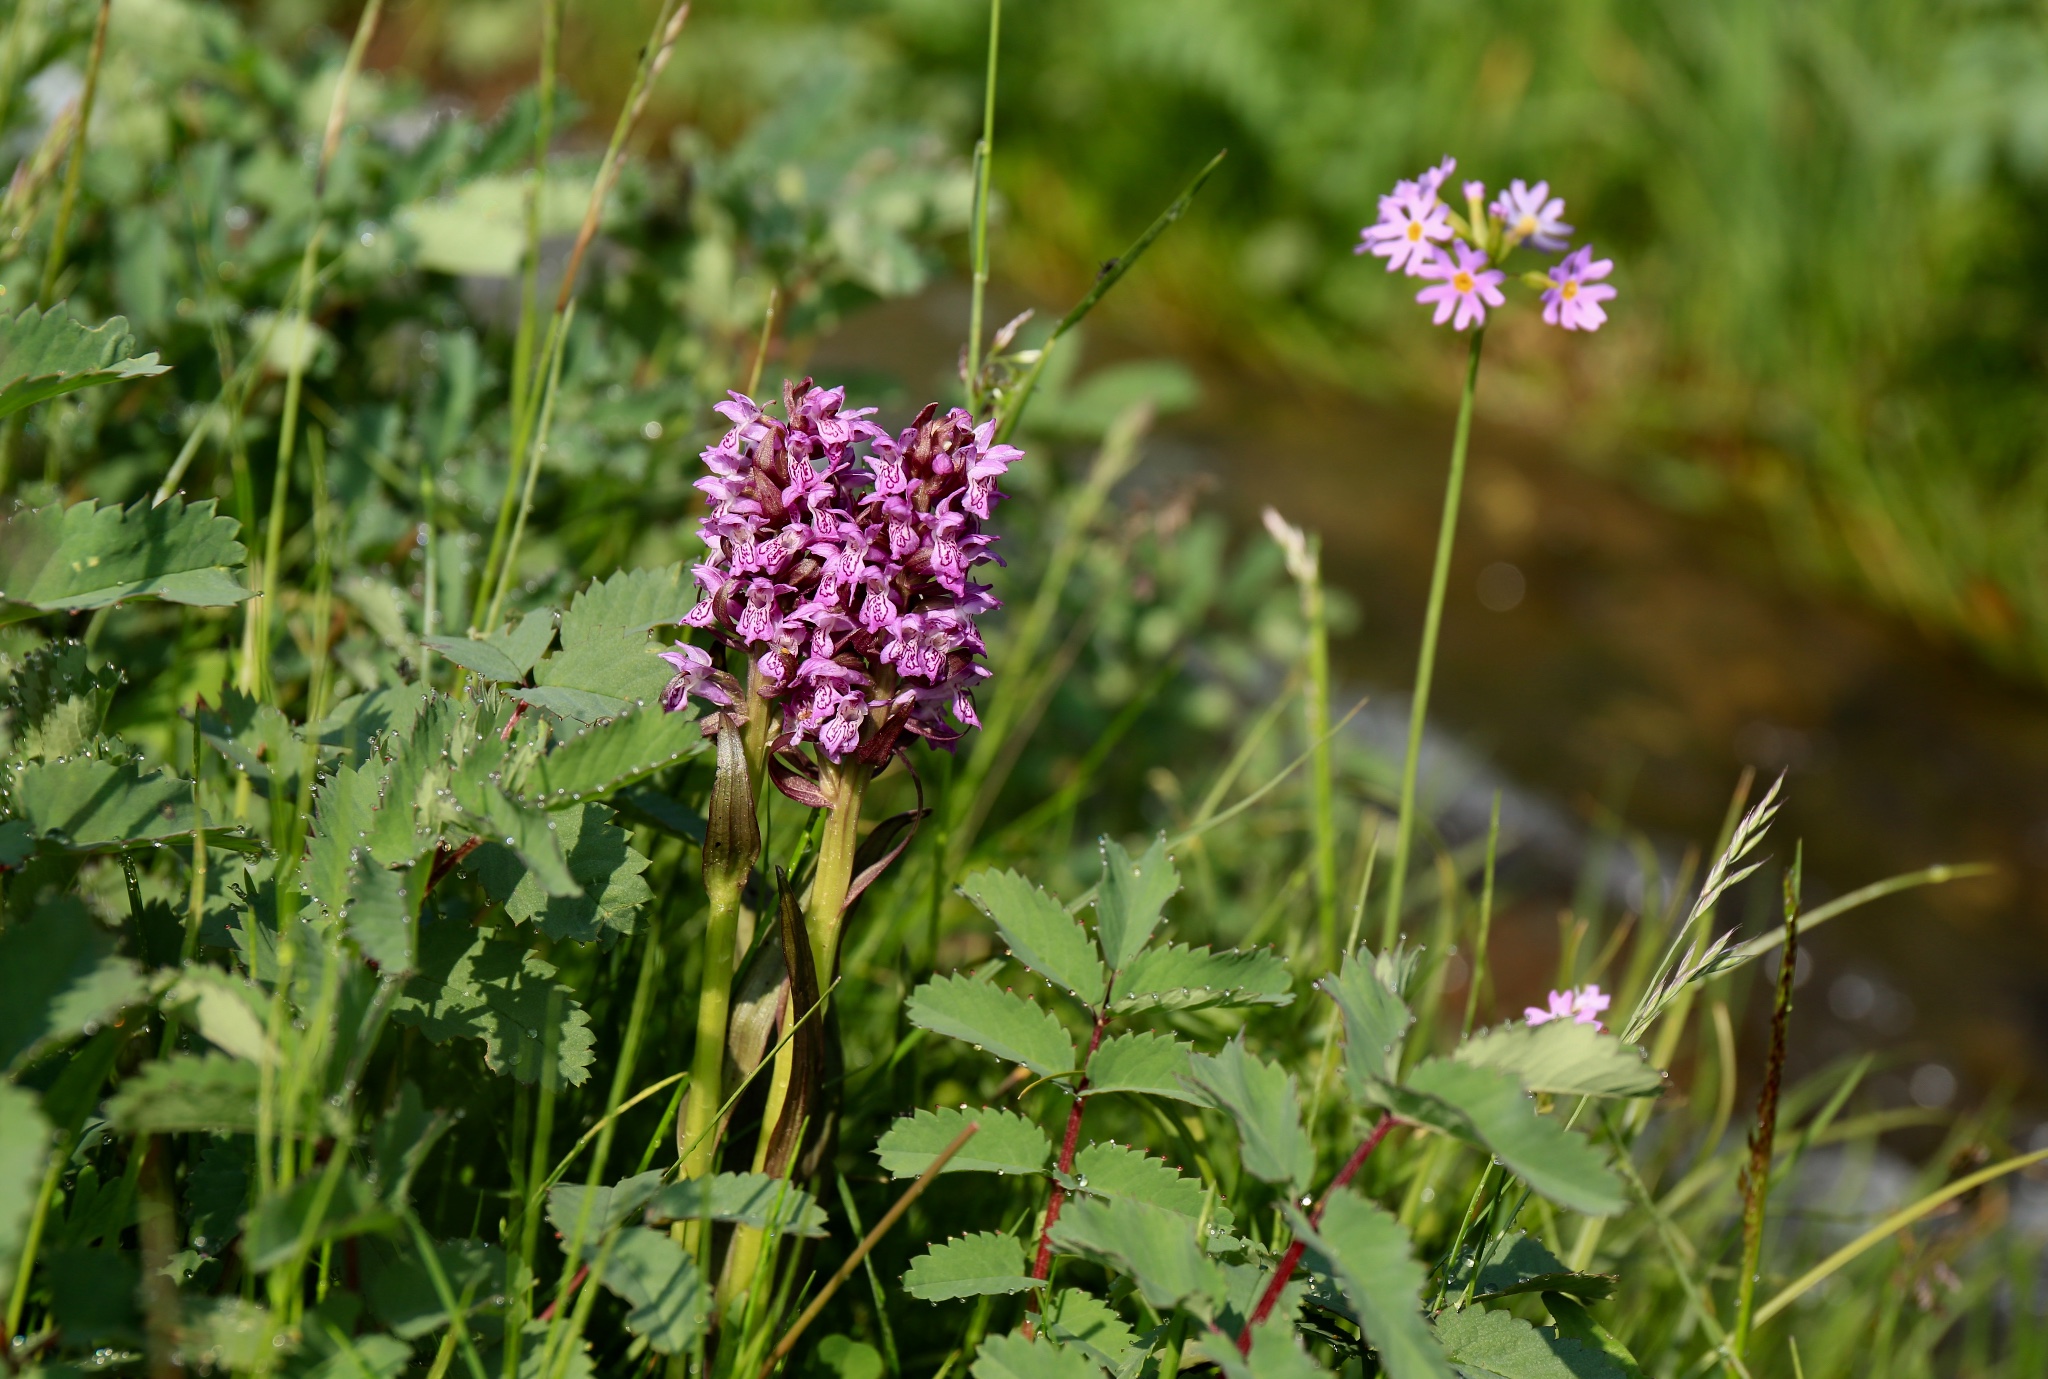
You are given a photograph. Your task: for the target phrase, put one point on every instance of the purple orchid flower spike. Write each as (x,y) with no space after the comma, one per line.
(839,560)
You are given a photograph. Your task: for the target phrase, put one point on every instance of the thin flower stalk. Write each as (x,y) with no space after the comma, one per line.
(1756,1177)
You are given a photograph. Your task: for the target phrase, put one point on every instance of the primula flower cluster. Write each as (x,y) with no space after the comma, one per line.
(1582,1006)
(1421,235)
(839,560)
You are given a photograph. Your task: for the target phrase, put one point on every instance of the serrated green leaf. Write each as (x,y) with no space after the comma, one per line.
(1522,1264)
(999,1022)
(746,1199)
(86,557)
(471,986)
(600,860)
(1260,1099)
(536,837)
(594,763)
(59,979)
(344,810)
(1082,1320)
(1006,1143)
(633,601)
(1131,896)
(1495,1345)
(88,804)
(226,1010)
(1564,1058)
(611,1205)
(575,705)
(1488,1108)
(1155,1247)
(1367,1252)
(24,1156)
(1276,1353)
(45,354)
(1156,1064)
(184,1093)
(1375,1021)
(258,741)
(379,914)
(401,1292)
(55,703)
(477,656)
(1016,1357)
(968,1266)
(659,1280)
(1040,932)
(1118,1170)
(1178,977)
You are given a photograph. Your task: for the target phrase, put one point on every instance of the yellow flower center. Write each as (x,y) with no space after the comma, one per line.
(1414,231)
(1570,290)
(1526,226)
(1462,281)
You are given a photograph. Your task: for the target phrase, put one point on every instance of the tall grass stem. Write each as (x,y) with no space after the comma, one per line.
(74,171)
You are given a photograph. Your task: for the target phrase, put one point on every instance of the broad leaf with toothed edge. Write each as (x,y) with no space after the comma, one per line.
(1016,1356)
(1006,1143)
(1177,977)
(1564,1058)
(472,986)
(1156,1247)
(660,1283)
(1128,903)
(744,1199)
(1040,933)
(1000,1022)
(87,557)
(978,1265)
(1154,1064)
(1494,1345)
(1375,1020)
(1261,1101)
(1366,1251)
(1488,1108)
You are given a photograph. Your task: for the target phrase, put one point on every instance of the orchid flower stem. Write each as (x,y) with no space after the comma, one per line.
(1418,713)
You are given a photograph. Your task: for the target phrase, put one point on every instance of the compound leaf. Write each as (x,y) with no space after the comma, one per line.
(1016,1357)
(746,1199)
(1487,1107)
(1000,1022)
(1495,1345)
(86,556)
(1040,932)
(476,987)
(1006,1143)
(987,1262)
(660,1282)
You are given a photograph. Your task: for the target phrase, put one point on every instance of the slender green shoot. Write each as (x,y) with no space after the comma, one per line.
(74,171)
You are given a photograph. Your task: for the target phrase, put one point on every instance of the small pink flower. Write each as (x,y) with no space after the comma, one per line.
(1464,286)
(1581,1006)
(1532,214)
(1573,298)
(1412,223)
(1560,1009)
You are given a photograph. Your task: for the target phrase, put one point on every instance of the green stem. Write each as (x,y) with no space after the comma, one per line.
(558,338)
(1756,1182)
(1425,670)
(984,153)
(714,1004)
(844,784)
(18,1300)
(1322,788)
(1485,934)
(53,266)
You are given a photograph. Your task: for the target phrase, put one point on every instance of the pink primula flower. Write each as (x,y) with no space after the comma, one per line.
(1573,298)
(1412,223)
(1464,287)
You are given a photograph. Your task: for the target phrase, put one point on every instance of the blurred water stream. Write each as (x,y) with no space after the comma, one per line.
(1604,655)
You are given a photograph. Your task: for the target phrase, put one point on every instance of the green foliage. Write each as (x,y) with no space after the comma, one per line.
(86,556)
(1177,977)
(1144,1061)
(1484,1344)
(1522,1264)
(986,1262)
(1132,894)
(189,1094)
(1155,1247)
(1488,1108)
(1040,933)
(45,354)
(1018,1357)
(24,1150)
(1260,1099)
(1564,1058)
(1006,1143)
(660,1283)
(1002,1022)
(747,1199)
(471,986)
(59,978)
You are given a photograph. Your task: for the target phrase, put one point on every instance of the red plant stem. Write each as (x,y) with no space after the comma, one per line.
(574,1283)
(1271,1298)
(1041,1268)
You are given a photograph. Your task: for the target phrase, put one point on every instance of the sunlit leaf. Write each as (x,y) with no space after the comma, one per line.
(987,1262)
(1132,894)
(1178,977)
(59,979)
(999,1022)
(86,557)
(1015,1357)
(1488,1108)
(1107,1169)
(1155,1247)
(1006,1143)
(610,1205)
(1564,1058)
(45,354)
(1156,1064)
(1494,1345)
(1040,932)
(1084,1321)
(1261,1101)
(1375,1019)
(597,761)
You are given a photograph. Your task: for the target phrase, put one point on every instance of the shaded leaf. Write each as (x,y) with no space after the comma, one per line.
(312,1213)
(257,740)
(987,1262)
(535,836)
(1276,1353)
(1006,1143)
(1574,1323)
(45,354)
(610,1206)
(1178,977)
(1260,1099)
(1157,1248)
(188,1093)
(1564,1058)
(1488,1108)
(1082,1320)
(1040,932)
(379,916)
(55,702)
(1014,1357)
(599,859)
(1367,1252)
(601,759)
(401,1292)
(659,1280)
(1000,1022)
(1495,1345)
(1521,1264)
(1152,1063)
(86,556)
(474,987)
(1117,1170)
(1131,896)
(1375,1020)
(746,1199)
(59,979)
(87,804)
